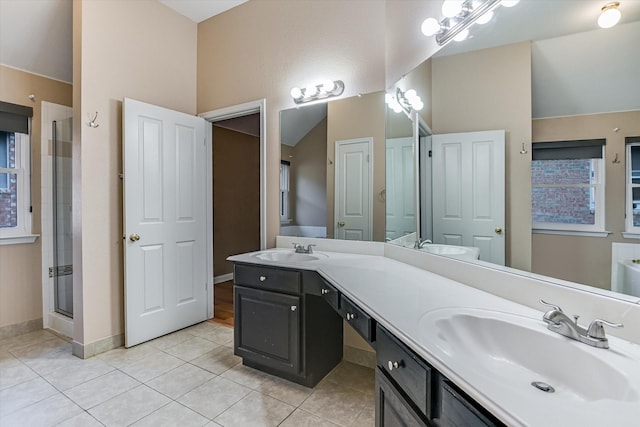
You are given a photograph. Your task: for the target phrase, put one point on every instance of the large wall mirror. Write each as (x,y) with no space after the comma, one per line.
(332,173)
(536,80)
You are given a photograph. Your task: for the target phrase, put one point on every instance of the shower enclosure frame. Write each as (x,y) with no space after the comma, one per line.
(51,319)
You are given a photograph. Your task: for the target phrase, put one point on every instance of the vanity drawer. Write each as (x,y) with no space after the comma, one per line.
(411,374)
(358,319)
(322,288)
(459,410)
(273,279)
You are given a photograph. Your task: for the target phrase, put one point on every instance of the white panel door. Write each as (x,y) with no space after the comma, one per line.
(468,192)
(353,183)
(164,221)
(399,193)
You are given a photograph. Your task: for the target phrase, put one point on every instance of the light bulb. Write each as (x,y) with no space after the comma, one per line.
(418,105)
(485,18)
(311,91)
(509,3)
(462,35)
(430,27)
(328,86)
(451,8)
(410,95)
(610,15)
(296,93)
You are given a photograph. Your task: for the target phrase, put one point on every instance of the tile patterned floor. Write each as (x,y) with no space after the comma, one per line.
(188,378)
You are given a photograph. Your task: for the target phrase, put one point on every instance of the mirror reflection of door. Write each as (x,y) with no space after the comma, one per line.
(468,192)
(353,202)
(400,203)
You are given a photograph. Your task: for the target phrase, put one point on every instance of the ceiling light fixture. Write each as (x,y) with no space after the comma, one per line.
(314,92)
(610,15)
(459,16)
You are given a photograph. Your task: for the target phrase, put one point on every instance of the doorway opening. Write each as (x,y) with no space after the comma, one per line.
(238,200)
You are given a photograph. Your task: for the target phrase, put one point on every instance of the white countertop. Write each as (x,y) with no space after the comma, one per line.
(398,296)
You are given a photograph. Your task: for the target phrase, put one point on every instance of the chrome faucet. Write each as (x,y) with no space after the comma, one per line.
(301,249)
(557,321)
(421,242)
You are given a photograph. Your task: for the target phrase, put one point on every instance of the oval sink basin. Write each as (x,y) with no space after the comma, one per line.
(452,250)
(518,351)
(287,255)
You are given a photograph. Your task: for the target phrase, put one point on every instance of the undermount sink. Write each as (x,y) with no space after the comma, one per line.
(287,255)
(452,250)
(517,351)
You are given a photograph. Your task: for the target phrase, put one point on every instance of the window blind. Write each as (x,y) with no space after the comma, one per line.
(566,150)
(14,117)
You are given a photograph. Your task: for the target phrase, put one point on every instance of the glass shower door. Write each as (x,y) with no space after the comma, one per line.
(62,270)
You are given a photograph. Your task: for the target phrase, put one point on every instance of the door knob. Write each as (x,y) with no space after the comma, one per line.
(499,230)
(341,223)
(134,237)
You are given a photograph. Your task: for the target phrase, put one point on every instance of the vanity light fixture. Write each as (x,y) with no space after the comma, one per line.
(406,101)
(610,15)
(459,16)
(314,92)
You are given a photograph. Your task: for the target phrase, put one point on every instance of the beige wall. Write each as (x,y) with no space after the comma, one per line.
(236,196)
(138,49)
(309,178)
(485,90)
(351,118)
(261,49)
(588,259)
(21,280)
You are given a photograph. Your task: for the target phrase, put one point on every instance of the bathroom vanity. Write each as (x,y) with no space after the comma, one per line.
(447,354)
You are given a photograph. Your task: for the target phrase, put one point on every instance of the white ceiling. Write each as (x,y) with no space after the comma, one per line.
(201,10)
(46,47)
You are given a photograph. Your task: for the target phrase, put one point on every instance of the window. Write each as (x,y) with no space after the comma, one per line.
(15,190)
(284,192)
(567,180)
(633,185)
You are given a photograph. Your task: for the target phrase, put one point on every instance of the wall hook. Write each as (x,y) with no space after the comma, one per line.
(92,121)
(32,97)
(615,160)
(524,149)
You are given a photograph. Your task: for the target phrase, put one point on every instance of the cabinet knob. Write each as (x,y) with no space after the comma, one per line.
(263,278)
(294,307)
(324,291)
(350,316)
(394,365)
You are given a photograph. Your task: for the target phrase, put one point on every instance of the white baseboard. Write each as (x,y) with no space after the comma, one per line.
(222,278)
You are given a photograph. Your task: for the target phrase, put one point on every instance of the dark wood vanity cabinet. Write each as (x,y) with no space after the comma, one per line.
(410,392)
(280,329)
(289,323)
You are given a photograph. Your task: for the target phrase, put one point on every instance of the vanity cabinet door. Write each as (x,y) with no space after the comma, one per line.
(392,410)
(457,410)
(267,329)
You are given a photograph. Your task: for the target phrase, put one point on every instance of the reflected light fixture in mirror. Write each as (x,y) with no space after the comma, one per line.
(313,92)
(610,15)
(406,101)
(459,16)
